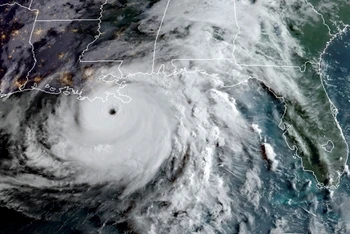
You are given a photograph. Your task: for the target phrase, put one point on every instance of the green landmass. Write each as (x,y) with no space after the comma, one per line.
(311,123)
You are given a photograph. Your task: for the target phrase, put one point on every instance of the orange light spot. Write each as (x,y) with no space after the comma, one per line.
(37,79)
(67,79)
(61,55)
(38,32)
(15,33)
(20,82)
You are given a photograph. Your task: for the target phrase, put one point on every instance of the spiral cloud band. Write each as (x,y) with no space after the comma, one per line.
(208,125)
(173,124)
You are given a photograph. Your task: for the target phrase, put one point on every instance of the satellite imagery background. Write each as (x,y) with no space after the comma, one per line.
(174,116)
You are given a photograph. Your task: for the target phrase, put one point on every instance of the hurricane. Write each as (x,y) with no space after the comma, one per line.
(222,125)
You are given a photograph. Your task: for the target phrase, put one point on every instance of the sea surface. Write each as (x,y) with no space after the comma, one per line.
(256,195)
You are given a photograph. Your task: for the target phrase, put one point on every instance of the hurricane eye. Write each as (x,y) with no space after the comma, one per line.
(112,111)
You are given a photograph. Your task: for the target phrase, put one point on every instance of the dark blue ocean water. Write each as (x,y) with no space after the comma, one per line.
(288,193)
(336,78)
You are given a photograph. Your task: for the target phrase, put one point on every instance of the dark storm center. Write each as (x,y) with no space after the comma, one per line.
(112,111)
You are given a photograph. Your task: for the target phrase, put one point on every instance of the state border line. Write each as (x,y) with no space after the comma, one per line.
(65,20)
(333,108)
(301,68)
(37,12)
(333,36)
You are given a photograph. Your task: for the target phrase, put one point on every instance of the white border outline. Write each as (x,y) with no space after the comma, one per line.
(333,109)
